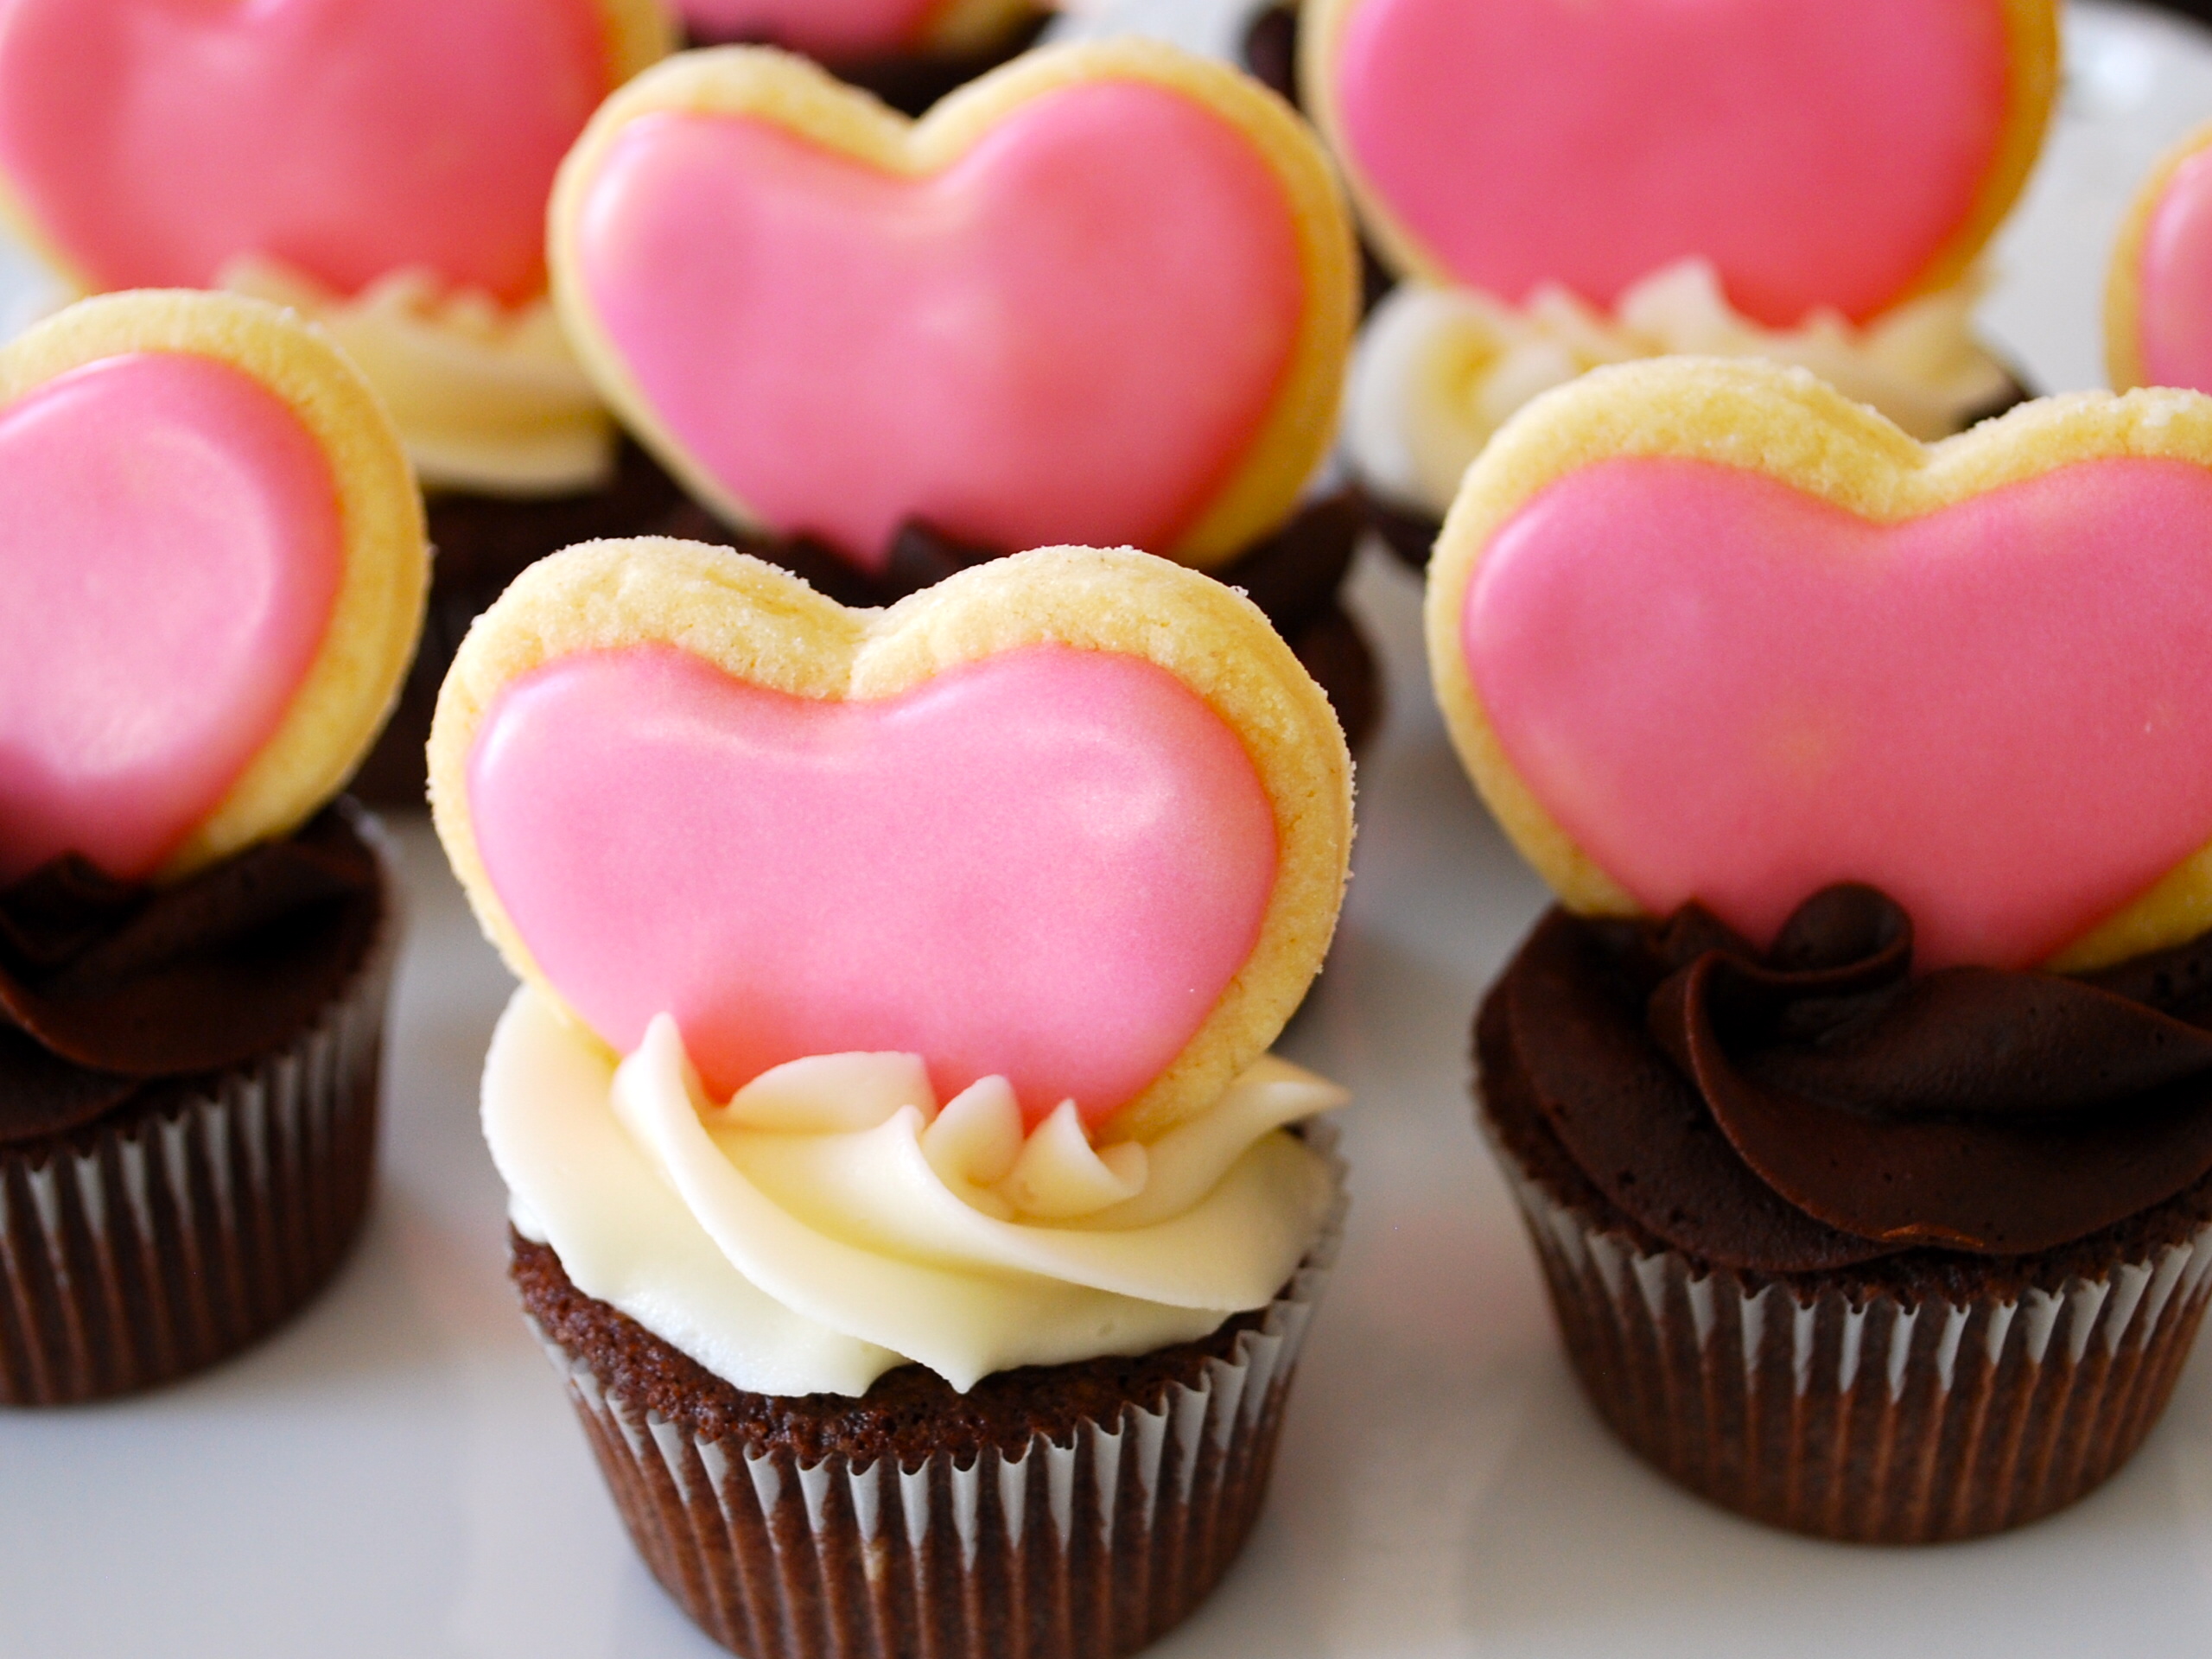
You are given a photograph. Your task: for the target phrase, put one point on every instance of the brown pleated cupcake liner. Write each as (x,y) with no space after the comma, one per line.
(1863,1418)
(170,1236)
(1093,1547)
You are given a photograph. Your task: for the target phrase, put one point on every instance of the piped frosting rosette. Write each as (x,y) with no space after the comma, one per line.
(1563,188)
(381,168)
(830,1221)
(897,984)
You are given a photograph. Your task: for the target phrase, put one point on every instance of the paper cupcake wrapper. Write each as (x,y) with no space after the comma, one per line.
(1868,1420)
(156,1245)
(1094,1548)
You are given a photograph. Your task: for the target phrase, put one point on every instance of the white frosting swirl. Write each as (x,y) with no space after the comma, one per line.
(1438,369)
(831,1221)
(485,399)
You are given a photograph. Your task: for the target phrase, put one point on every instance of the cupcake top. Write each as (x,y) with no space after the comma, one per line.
(1834,747)
(216,571)
(1758,178)
(2157,323)
(898,983)
(1103,294)
(387,163)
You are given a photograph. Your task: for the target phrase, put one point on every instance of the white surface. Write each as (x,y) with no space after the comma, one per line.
(397,1474)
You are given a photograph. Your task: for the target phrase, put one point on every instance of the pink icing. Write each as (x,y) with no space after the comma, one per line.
(154,140)
(1723,688)
(828,28)
(171,536)
(1046,866)
(1817,154)
(2174,281)
(1072,335)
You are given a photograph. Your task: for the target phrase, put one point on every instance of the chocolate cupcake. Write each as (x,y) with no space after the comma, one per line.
(1547,217)
(898,1174)
(1787,1333)
(910,55)
(138,155)
(216,560)
(1112,284)
(1858,1097)
(1085,1508)
(188,1083)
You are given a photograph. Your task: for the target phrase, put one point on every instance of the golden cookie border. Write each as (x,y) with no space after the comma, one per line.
(2123,276)
(798,95)
(343,699)
(1792,426)
(2031,31)
(765,627)
(634,35)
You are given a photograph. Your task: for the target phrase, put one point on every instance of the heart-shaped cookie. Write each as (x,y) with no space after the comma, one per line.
(1844,157)
(150,143)
(1709,630)
(857,28)
(1075,818)
(216,572)
(1102,295)
(2159,293)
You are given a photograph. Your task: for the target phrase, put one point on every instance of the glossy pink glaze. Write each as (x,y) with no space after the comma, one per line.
(825,28)
(1722,689)
(1072,335)
(1046,866)
(172,542)
(154,140)
(1817,154)
(2174,282)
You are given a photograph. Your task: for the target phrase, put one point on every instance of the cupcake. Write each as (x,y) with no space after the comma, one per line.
(378,165)
(1102,295)
(1858,1093)
(1567,187)
(900,1180)
(217,567)
(909,53)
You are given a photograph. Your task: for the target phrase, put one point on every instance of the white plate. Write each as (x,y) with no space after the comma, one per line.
(396,1476)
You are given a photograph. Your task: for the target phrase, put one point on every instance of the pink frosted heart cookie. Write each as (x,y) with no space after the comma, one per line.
(2159,294)
(1820,157)
(1073,818)
(217,567)
(1707,632)
(150,143)
(1103,294)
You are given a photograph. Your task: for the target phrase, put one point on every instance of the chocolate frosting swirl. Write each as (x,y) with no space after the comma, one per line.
(1818,1104)
(107,986)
